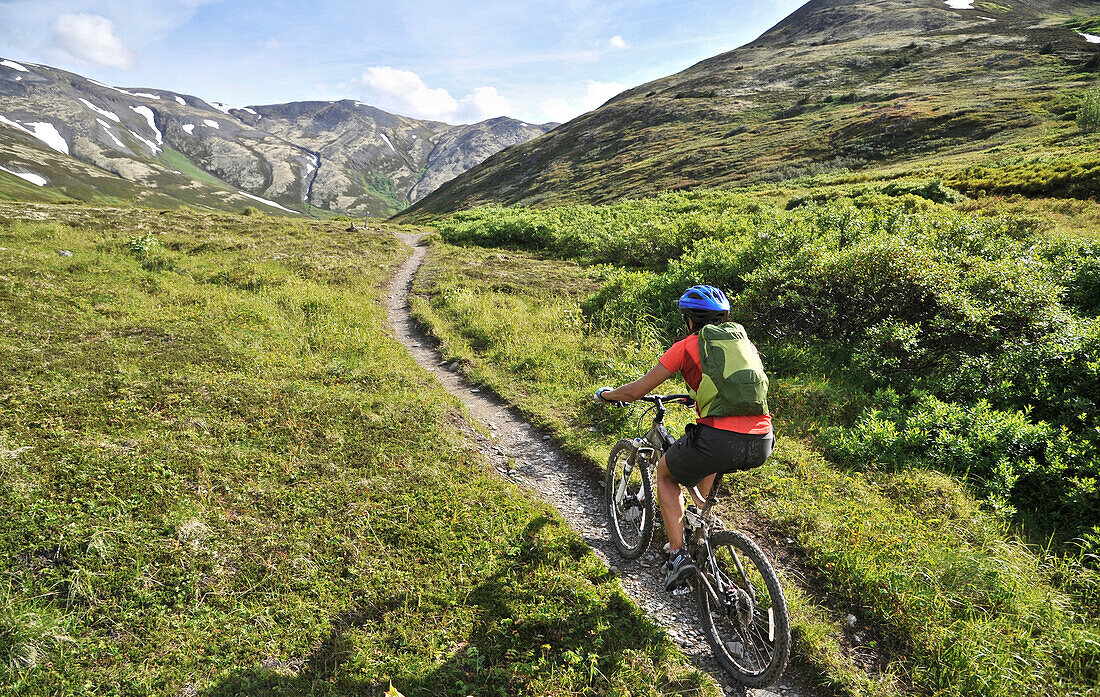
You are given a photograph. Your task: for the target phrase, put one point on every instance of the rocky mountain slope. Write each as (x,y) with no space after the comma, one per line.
(840,85)
(64,136)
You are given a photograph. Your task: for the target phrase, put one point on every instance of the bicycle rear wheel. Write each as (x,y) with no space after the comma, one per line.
(748,629)
(628,497)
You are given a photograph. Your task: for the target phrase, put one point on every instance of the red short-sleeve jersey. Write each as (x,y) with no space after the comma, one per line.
(684,358)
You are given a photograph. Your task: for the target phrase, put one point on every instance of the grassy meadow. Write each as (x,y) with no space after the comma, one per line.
(222,476)
(933,367)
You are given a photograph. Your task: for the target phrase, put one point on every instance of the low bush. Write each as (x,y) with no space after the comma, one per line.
(1088,115)
(934,577)
(642,234)
(956,306)
(1076,176)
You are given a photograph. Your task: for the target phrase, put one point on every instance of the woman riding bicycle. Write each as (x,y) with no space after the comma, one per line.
(734,429)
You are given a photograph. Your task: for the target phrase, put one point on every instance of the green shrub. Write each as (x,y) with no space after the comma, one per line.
(1028,468)
(934,190)
(938,302)
(1084,286)
(991,447)
(641,234)
(1036,175)
(1088,115)
(251,211)
(878,290)
(141,244)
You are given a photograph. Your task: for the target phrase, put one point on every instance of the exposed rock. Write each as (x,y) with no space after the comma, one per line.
(345,156)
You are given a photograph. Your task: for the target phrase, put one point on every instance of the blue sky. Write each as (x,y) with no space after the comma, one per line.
(453,61)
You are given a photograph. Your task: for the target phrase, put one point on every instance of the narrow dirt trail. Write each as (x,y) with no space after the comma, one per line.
(572,489)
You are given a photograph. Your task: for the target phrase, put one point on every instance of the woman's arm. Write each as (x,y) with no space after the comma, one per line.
(640,387)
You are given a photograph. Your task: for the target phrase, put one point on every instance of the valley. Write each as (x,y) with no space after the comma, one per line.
(92,142)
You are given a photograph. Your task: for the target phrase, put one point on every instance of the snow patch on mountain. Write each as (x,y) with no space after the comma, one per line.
(29,176)
(960,4)
(1091,38)
(211,124)
(14,66)
(189,129)
(116,89)
(150,144)
(181,101)
(250,111)
(146,95)
(388,143)
(224,108)
(102,112)
(266,202)
(107,127)
(148,114)
(45,132)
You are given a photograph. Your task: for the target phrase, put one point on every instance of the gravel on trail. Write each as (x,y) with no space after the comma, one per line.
(524,455)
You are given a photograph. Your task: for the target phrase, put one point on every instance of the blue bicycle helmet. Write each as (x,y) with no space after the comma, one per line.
(704,298)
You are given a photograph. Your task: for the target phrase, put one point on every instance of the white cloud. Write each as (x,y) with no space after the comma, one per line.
(403,90)
(595,94)
(103,33)
(616,42)
(483,103)
(273,44)
(405,93)
(91,39)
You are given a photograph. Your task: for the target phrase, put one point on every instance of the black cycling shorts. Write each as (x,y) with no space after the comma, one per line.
(705,450)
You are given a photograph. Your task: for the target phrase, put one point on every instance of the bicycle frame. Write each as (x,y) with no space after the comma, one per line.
(656,440)
(726,583)
(699,521)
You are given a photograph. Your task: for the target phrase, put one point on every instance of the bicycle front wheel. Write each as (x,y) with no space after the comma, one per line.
(628,495)
(747,626)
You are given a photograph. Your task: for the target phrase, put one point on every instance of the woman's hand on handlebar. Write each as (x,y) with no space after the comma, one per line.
(598,397)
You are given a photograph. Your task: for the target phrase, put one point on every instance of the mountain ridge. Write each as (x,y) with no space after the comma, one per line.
(163,148)
(835,86)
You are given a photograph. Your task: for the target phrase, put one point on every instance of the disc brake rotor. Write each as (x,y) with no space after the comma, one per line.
(631,510)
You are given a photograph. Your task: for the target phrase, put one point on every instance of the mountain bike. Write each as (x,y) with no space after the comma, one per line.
(741,604)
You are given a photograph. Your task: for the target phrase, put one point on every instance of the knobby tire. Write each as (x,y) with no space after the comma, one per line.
(722,634)
(631,537)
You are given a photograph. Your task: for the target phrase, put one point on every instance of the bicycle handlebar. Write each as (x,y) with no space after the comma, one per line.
(659,399)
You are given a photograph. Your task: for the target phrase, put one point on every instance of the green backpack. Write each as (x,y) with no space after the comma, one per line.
(734,382)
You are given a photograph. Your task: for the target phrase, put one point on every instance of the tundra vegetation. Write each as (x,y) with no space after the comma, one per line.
(222,476)
(935,365)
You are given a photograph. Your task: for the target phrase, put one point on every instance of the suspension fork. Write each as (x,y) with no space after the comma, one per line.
(628,468)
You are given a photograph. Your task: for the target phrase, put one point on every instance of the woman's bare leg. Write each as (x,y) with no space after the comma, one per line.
(672,505)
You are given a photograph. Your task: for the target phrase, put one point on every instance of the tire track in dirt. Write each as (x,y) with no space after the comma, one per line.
(540,465)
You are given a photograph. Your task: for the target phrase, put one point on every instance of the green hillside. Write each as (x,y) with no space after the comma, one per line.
(222,476)
(873,89)
(934,375)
